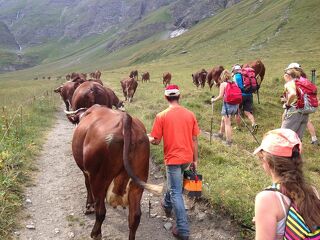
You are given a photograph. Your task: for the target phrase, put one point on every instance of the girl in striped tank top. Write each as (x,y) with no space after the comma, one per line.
(280,156)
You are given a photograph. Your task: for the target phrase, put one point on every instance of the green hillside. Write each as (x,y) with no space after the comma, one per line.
(277,32)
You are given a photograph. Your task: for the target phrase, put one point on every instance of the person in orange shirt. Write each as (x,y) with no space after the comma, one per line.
(179,129)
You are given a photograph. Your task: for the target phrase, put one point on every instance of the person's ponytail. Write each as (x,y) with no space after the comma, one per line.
(293,185)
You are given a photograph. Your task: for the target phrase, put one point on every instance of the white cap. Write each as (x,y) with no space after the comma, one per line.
(236,68)
(293,65)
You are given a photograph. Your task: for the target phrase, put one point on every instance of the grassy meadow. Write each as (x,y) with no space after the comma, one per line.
(27,111)
(277,32)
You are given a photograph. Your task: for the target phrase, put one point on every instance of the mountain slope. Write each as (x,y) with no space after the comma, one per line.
(40,25)
(277,32)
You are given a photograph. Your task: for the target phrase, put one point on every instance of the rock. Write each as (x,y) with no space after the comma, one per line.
(198,236)
(158,176)
(153,215)
(16,233)
(31,226)
(71,235)
(28,201)
(167,226)
(201,216)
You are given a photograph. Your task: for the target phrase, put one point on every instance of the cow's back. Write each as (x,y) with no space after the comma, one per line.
(68,90)
(88,94)
(100,136)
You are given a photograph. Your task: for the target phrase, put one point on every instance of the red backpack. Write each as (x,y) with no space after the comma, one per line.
(250,84)
(232,94)
(307,96)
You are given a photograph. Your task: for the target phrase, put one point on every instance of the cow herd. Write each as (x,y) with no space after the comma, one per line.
(112,148)
(212,77)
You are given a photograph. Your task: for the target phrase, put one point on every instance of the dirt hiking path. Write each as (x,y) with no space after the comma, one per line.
(54,204)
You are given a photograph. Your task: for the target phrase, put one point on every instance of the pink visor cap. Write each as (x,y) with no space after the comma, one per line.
(280,142)
(172,90)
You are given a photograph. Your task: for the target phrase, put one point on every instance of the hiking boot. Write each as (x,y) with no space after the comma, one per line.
(218,135)
(176,234)
(167,211)
(316,143)
(255,128)
(227,143)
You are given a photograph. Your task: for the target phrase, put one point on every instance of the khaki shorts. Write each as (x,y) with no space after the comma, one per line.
(296,122)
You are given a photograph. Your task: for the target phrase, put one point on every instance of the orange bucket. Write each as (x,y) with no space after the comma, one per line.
(192,183)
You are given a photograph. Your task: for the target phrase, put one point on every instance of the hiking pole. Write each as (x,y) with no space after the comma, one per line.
(211,123)
(149,208)
(246,125)
(258,77)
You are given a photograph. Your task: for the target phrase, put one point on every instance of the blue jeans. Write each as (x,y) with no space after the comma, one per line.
(173,197)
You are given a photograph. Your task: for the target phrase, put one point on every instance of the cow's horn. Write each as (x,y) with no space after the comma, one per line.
(74,112)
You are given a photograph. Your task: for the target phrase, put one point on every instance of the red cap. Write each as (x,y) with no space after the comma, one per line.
(172,90)
(280,142)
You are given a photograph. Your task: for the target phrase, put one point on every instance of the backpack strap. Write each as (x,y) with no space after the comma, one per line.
(273,187)
(224,103)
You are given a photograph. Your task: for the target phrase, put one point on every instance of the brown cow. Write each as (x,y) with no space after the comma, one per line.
(88,94)
(145,77)
(92,75)
(134,74)
(199,78)
(66,92)
(214,74)
(129,86)
(75,75)
(97,74)
(259,69)
(166,78)
(96,80)
(115,101)
(112,150)
(78,80)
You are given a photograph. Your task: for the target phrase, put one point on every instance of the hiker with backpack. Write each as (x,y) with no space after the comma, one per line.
(300,100)
(290,207)
(246,81)
(232,96)
(310,127)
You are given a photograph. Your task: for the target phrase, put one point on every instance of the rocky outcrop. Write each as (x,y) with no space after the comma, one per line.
(135,36)
(35,23)
(31,23)
(7,39)
(187,13)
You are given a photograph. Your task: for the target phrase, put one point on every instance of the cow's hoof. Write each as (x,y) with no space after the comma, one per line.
(98,237)
(89,210)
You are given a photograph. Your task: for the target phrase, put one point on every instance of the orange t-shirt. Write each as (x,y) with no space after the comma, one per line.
(176,125)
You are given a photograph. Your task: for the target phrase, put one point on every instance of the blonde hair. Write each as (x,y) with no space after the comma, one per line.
(294,73)
(225,76)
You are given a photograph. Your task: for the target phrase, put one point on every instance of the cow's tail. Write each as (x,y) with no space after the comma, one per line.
(127,123)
